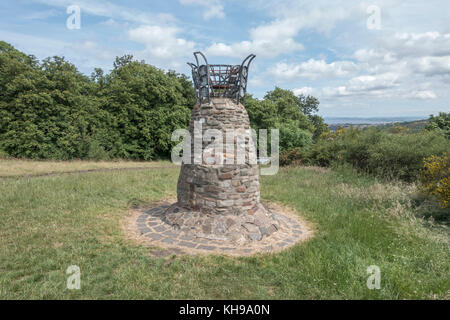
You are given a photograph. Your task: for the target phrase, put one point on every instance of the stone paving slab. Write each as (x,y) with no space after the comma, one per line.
(152,226)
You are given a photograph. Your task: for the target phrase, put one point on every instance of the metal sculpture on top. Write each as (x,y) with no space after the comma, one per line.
(220,80)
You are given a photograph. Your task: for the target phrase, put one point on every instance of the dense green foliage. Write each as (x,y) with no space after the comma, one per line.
(391,156)
(145,106)
(49,110)
(292,115)
(440,122)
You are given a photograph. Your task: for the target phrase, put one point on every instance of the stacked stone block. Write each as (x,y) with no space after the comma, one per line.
(219,197)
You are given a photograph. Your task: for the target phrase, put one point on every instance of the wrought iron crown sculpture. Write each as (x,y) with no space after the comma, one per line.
(220,80)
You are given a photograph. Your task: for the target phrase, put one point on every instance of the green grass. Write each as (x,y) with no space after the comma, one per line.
(50,223)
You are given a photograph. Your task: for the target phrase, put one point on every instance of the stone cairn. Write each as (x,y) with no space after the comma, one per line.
(220,200)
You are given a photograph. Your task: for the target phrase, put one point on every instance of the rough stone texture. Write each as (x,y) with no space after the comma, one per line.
(154,227)
(221,201)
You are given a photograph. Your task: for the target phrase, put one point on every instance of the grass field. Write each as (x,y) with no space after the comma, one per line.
(49,223)
(15,167)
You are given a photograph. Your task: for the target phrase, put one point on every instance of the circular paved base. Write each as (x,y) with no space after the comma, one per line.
(156,231)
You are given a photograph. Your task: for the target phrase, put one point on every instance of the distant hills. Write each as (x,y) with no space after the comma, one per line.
(413,123)
(413,126)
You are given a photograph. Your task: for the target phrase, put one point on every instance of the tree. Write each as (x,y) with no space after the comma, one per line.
(292,137)
(440,122)
(262,113)
(282,109)
(187,90)
(319,125)
(288,108)
(43,108)
(308,104)
(146,105)
(49,110)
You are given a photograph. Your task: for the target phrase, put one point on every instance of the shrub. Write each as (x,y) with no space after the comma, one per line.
(440,123)
(96,151)
(331,135)
(292,137)
(390,156)
(435,178)
(292,157)
(3,155)
(398,129)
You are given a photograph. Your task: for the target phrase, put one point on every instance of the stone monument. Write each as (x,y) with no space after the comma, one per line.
(218,195)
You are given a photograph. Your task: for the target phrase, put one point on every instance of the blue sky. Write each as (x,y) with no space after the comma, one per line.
(360,58)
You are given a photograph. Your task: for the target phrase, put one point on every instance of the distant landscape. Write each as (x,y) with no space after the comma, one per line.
(346,122)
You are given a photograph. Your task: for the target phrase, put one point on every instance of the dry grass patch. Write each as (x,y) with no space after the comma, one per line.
(12,167)
(316,169)
(376,191)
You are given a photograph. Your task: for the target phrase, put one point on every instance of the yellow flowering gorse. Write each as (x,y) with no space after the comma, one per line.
(436,178)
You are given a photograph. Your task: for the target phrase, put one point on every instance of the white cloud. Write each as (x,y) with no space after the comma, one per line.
(112,23)
(370,55)
(318,15)
(432,66)
(384,85)
(375,85)
(85,55)
(40,15)
(424,95)
(279,35)
(162,44)
(265,41)
(419,44)
(312,69)
(212,8)
(262,48)
(304,91)
(110,10)
(404,65)
(407,45)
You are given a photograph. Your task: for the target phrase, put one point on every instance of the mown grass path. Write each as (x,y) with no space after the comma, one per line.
(55,173)
(48,224)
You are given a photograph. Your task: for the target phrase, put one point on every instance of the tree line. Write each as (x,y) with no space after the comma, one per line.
(49,110)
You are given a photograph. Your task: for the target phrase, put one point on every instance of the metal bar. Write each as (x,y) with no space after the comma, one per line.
(229,80)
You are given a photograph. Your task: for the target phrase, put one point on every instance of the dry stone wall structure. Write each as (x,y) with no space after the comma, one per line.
(218,190)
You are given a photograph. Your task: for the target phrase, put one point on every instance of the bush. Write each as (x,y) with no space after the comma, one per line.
(3,155)
(293,137)
(390,156)
(97,152)
(292,157)
(440,123)
(401,155)
(435,178)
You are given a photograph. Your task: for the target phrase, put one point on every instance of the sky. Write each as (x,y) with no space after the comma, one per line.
(359,58)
